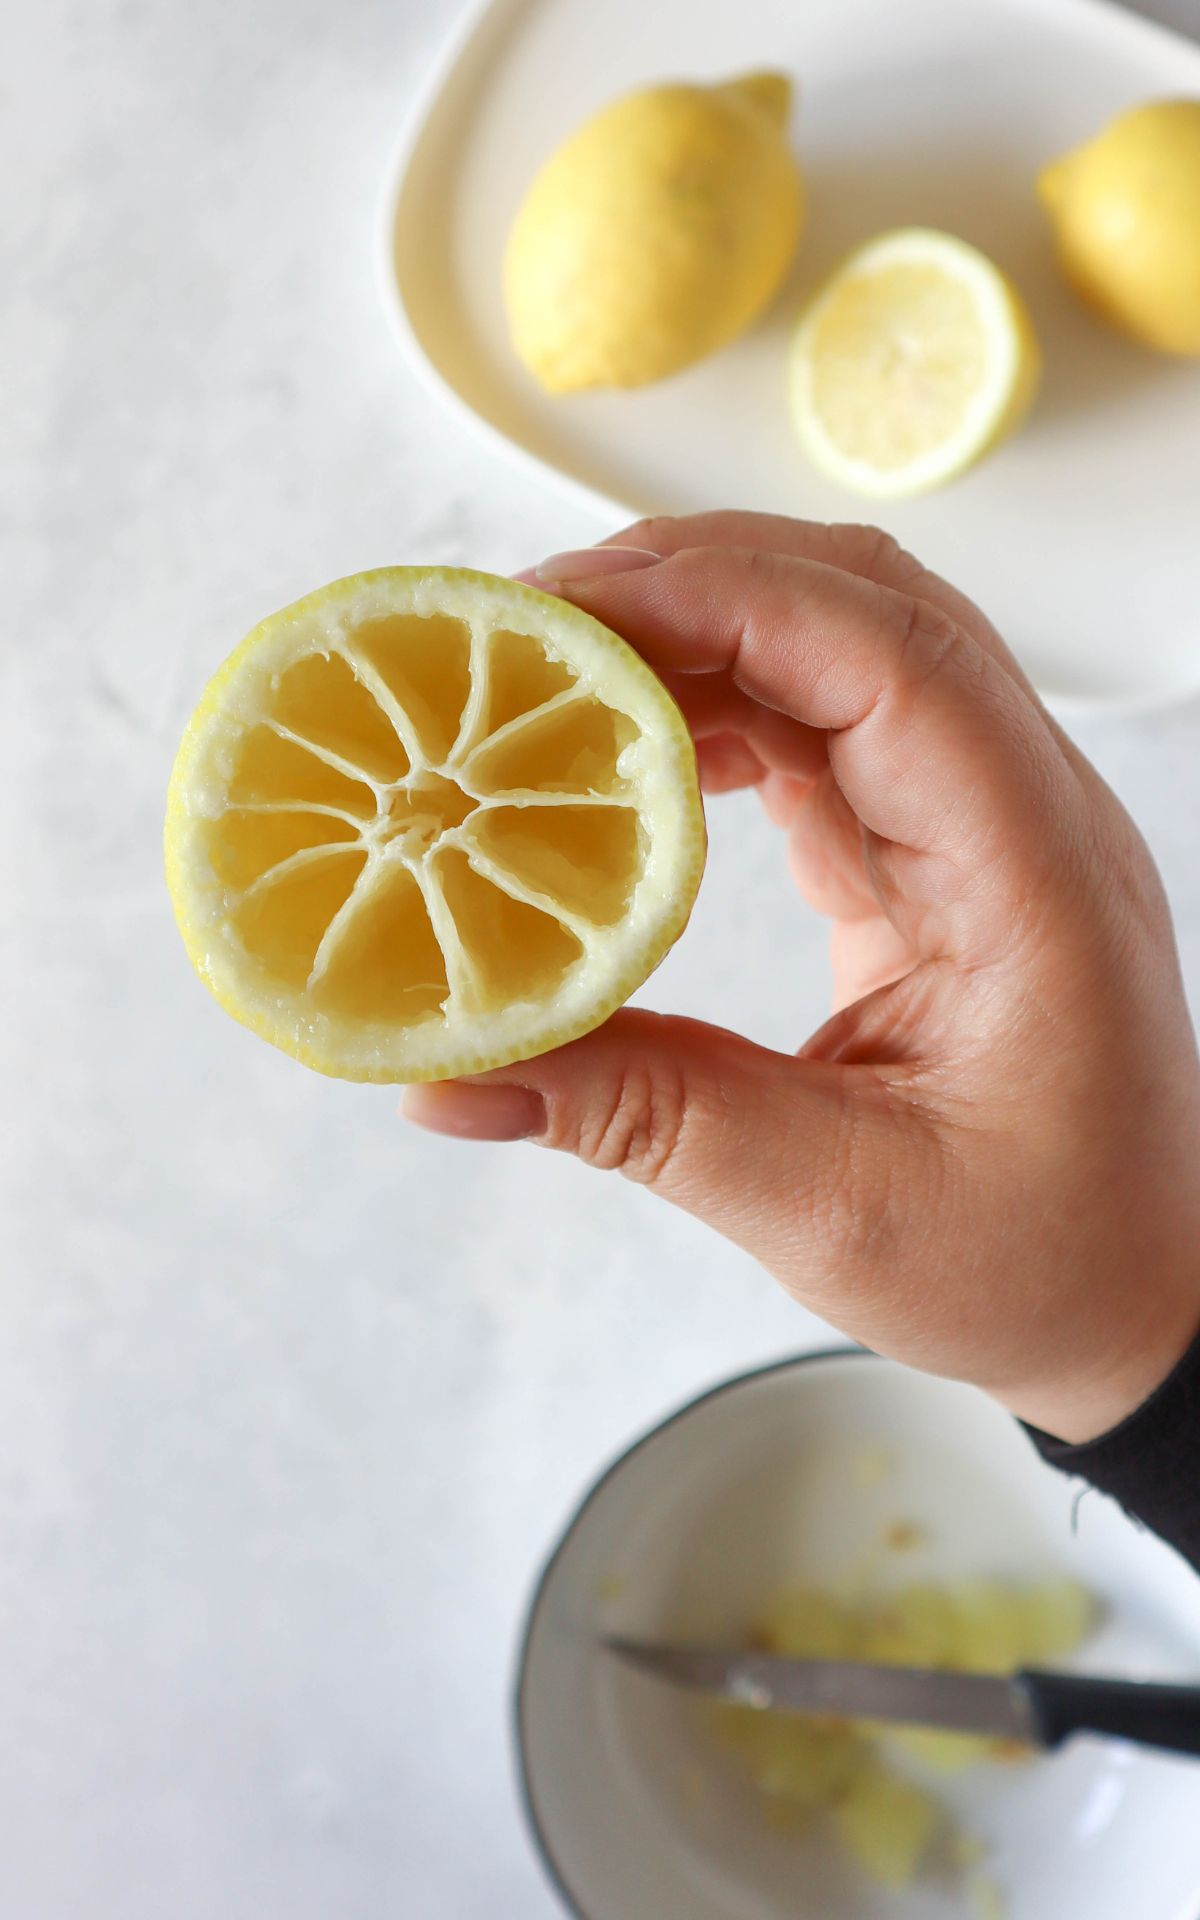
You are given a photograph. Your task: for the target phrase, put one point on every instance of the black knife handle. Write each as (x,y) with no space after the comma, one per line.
(1148,1712)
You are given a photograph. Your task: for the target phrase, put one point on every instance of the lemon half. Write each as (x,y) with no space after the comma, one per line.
(913,359)
(427,821)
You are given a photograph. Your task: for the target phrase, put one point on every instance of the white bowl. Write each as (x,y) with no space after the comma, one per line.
(766,1480)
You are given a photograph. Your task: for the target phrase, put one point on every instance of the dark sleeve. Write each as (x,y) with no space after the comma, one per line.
(1151,1462)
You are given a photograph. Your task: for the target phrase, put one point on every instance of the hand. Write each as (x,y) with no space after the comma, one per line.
(987,1163)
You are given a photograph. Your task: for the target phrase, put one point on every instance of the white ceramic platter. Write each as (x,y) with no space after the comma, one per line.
(638,1814)
(1080,537)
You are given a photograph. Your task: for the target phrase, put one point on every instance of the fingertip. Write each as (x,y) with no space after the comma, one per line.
(783,794)
(727,763)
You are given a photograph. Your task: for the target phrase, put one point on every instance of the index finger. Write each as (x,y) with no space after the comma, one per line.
(866,550)
(937,748)
(857,548)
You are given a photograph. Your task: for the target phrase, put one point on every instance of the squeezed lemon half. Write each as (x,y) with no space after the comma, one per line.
(428,821)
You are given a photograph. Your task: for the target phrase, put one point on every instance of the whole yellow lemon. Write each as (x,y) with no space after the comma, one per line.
(1126,211)
(655,234)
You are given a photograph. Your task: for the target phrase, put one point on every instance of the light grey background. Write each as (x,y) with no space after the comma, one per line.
(291,1398)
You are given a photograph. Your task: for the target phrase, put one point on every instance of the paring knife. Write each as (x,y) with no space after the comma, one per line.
(1040,1709)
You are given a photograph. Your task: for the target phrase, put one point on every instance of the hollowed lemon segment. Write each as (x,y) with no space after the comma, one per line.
(428,821)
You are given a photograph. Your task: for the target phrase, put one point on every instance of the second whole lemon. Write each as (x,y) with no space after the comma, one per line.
(1126,212)
(655,234)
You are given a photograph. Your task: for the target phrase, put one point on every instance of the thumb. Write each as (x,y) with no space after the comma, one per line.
(755,1143)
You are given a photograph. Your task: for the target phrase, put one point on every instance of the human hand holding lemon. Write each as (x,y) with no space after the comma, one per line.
(427,823)
(975,1163)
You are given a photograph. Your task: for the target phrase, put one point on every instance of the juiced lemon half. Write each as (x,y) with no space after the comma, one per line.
(428,821)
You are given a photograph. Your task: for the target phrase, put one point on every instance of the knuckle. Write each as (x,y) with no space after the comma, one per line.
(878,555)
(927,642)
(877,550)
(639,1128)
(762,567)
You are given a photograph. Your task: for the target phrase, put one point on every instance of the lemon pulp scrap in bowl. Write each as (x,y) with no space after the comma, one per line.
(807,1765)
(427,821)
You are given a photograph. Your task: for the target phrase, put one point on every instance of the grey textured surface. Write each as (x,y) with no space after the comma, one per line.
(291,1398)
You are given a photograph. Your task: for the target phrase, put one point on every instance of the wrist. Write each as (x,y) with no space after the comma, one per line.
(1139,1353)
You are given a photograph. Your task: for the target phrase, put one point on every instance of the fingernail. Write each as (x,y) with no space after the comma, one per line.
(474,1112)
(590,563)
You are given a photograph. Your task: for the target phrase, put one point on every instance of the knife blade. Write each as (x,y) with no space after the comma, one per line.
(847,1689)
